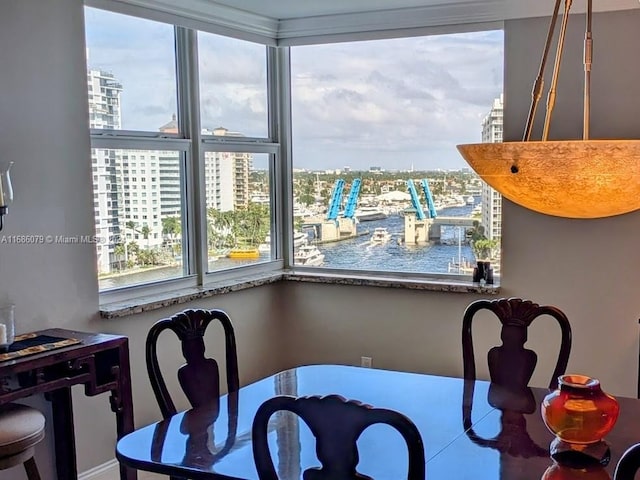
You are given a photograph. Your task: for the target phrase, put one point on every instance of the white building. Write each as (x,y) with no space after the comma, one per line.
(104,113)
(492,126)
(227,176)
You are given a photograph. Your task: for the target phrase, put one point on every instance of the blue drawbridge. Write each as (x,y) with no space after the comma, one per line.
(427,195)
(336,200)
(352,200)
(415,200)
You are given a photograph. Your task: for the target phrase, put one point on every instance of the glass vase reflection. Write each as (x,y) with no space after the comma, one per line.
(580,414)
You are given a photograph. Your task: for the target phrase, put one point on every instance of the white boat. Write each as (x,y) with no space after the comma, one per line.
(470,200)
(299,239)
(308,255)
(366,214)
(380,236)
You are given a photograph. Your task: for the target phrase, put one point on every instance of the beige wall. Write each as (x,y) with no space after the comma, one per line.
(587,268)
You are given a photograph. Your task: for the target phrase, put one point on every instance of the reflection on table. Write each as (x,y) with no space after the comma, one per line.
(467,431)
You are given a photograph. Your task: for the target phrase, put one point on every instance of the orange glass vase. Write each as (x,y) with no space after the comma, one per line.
(560,472)
(579,412)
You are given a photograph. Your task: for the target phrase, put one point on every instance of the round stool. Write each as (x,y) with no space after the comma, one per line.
(21,428)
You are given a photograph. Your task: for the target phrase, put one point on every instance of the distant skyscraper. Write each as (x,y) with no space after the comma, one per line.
(492,126)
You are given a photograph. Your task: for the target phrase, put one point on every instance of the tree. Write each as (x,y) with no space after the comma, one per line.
(171,227)
(145,231)
(483,248)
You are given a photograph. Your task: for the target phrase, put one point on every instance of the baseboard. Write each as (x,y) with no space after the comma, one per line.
(106,471)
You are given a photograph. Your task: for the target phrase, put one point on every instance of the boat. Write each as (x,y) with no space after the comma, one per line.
(380,236)
(308,255)
(470,200)
(299,239)
(244,252)
(367,214)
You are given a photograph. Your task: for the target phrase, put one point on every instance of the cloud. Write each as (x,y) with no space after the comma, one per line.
(392,102)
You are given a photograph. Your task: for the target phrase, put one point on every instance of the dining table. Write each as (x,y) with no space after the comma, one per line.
(471,429)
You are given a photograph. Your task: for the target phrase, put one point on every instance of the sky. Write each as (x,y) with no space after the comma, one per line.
(396,104)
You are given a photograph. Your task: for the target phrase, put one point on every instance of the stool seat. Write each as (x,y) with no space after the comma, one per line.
(21,428)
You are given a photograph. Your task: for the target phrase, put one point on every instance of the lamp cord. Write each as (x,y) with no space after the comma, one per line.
(538,85)
(588,57)
(551,96)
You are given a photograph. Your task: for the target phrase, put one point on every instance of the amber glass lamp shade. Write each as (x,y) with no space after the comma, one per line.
(571,179)
(579,412)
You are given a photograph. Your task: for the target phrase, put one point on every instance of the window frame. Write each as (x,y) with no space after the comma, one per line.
(193,145)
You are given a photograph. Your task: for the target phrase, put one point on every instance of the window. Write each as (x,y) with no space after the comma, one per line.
(189,173)
(378,182)
(137,70)
(233,86)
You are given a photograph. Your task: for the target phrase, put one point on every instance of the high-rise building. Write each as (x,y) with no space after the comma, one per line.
(170,189)
(104,113)
(227,176)
(132,189)
(492,126)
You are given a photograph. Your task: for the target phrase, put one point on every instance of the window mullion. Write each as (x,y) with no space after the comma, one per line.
(194,235)
(280,124)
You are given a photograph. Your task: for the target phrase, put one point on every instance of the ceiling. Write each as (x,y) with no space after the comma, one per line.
(290,22)
(292,9)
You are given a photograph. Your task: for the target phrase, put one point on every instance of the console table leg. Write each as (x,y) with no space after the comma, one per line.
(124,414)
(65,441)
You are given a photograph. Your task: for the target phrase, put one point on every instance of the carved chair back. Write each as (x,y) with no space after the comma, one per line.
(510,364)
(628,464)
(199,377)
(336,423)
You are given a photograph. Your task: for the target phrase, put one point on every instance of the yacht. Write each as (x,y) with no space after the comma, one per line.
(299,239)
(308,255)
(380,236)
(366,214)
(470,200)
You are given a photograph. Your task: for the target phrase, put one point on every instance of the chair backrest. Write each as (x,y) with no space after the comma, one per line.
(510,364)
(628,464)
(336,423)
(199,377)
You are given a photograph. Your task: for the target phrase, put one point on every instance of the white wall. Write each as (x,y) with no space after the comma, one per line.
(587,268)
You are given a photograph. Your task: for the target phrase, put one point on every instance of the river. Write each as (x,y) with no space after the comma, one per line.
(353,254)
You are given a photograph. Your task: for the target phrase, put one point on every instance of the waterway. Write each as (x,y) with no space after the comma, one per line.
(359,254)
(354,254)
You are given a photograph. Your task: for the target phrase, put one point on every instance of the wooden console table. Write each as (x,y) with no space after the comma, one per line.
(100,363)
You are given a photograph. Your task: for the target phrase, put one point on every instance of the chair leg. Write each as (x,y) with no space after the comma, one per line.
(32,469)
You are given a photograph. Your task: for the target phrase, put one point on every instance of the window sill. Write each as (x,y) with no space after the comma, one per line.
(184,295)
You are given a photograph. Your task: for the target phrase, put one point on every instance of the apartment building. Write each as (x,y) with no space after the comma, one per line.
(492,128)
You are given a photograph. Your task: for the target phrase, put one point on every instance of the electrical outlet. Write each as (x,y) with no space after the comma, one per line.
(365,362)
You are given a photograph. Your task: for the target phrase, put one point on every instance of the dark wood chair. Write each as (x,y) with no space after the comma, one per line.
(510,364)
(510,369)
(336,423)
(628,464)
(199,377)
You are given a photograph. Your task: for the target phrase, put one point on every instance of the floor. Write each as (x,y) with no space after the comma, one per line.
(151,476)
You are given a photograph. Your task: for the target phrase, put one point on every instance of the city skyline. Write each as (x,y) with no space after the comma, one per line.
(388,103)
